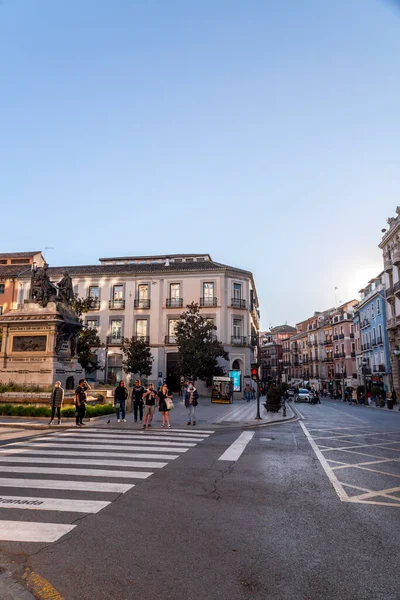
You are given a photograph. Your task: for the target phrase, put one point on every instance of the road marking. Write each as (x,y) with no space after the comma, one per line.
(236,449)
(117,438)
(40,587)
(150,431)
(59,484)
(77,453)
(82,461)
(110,440)
(79,472)
(338,437)
(146,433)
(325,465)
(105,447)
(28,531)
(56,504)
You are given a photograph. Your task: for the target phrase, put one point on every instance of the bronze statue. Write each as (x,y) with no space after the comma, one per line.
(65,289)
(42,290)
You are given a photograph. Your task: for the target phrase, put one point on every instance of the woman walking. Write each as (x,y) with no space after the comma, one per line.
(57,398)
(164,396)
(120,396)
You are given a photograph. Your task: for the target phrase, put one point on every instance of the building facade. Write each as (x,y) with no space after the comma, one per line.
(13,266)
(144,297)
(273,353)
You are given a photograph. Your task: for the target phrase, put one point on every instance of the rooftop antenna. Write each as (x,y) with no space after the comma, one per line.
(335,290)
(47,248)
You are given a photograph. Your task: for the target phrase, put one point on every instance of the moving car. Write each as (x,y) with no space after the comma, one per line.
(302,396)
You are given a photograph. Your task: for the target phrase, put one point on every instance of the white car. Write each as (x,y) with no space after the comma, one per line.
(303,395)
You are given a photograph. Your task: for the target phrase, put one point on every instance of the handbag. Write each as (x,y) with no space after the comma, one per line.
(169,402)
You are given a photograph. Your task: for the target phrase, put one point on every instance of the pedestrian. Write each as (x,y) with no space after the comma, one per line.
(253,393)
(137,400)
(57,398)
(150,399)
(394,397)
(191,401)
(120,396)
(80,401)
(247,392)
(164,405)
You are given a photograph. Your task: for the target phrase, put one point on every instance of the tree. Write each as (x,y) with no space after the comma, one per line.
(87,340)
(198,348)
(138,357)
(82,305)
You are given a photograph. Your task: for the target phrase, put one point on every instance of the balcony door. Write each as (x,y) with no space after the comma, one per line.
(171,330)
(141,328)
(143,292)
(237,291)
(208,294)
(175,291)
(116,329)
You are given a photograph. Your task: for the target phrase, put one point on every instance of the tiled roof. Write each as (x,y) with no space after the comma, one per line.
(157,257)
(132,269)
(19,254)
(8,271)
(283,329)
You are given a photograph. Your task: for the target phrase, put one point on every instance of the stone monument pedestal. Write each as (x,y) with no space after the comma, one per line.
(38,345)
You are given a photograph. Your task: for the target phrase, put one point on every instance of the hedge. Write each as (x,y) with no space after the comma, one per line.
(12,410)
(11,386)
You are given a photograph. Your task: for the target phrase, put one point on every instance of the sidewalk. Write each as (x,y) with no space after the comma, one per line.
(218,416)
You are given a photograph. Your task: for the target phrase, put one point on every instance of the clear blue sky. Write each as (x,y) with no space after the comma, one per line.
(265,133)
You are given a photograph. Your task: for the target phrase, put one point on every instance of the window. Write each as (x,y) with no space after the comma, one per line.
(374,335)
(237,291)
(118,293)
(1,310)
(116,329)
(141,328)
(92,323)
(20,261)
(143,292)
(237,328)
(380,332)
(175,291)
(343,349)
(2,286)
(171,329)
(208,291)
(372,311)
(378,306)
(94,291)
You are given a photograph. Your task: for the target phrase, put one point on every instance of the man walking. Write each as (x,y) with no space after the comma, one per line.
(150,399)
(57,398)
(80,401)
(137,400)
(191,401)
(247,392)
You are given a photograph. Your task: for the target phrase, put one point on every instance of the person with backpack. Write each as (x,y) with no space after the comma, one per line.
(191,401)
(80,401)
(150,399)
(120,397)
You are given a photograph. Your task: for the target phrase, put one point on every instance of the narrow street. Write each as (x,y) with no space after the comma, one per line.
(304,510)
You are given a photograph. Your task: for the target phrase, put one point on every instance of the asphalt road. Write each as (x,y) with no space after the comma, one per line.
(310,511)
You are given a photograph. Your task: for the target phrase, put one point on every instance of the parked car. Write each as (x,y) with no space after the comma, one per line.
(303,395)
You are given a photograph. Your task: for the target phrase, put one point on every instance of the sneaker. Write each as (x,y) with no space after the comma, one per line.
(148,426)
(135,421)
(194,422)
(189,423)
(83,424)
(162,425)
(124,420)
(169,426)
(51,423)
(59,423)
(118,420)
(144,426)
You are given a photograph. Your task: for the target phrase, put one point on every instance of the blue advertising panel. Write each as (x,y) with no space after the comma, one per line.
(236,380)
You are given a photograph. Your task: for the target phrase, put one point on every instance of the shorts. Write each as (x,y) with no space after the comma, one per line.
(149,410)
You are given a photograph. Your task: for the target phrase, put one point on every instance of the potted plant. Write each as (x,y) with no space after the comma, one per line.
(274,398)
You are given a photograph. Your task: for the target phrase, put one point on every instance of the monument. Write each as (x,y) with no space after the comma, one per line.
(39,338)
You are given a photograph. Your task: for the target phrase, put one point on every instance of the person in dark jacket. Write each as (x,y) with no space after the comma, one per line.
(57,399)
(137,400)
(120,396)
(191,401)
(80,401)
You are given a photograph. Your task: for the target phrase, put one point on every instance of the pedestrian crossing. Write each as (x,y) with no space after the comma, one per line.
(78,471)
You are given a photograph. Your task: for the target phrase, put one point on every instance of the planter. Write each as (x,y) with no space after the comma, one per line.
(390,404)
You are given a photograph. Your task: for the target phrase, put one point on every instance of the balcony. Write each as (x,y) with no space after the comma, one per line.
(112,340)
(374,342)
(141,303)
(342,355)
(375,368)
(238,303)
(328,342)
(387,264)
(335,338)
(396,289)
(379,340)
(339,376)
(238,340)
(341,336)
(174,302)
(396,257)
(365,323)
(208,301)
(142,338)
(94,304)
(336,355)
(170,340)
(116,304)
(381,368)
(391,323)
(389,294)
(352,336)
(352,354)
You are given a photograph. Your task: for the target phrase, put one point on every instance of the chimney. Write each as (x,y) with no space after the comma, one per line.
(167,261)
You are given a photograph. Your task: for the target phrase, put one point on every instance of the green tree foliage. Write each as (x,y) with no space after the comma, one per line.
(138,358)
(82,305)
(274,398)
(87,341)
(198,348)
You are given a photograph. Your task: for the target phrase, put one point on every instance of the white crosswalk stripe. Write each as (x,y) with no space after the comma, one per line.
(81,463)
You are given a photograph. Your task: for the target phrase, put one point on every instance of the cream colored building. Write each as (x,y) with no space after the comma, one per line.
(144,296)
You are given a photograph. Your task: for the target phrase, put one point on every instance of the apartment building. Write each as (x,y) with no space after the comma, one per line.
(273,353)
(371,339)
(14,265)
(143,296)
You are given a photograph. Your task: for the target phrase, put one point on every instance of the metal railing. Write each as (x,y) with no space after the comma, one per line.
(174,302)
(114,341)
(238,303)
(208,301)
(170,340)
(116,304)
(141,303)
(238,340)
